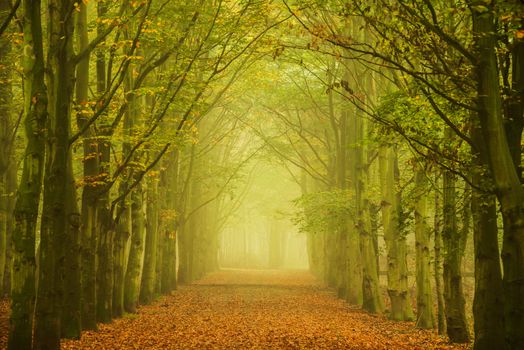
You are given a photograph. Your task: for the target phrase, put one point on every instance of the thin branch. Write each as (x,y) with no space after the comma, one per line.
(9,17)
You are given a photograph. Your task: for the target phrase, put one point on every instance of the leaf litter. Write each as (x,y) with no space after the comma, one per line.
(246,309)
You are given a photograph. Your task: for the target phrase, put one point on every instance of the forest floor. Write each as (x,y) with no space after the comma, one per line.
(246,309)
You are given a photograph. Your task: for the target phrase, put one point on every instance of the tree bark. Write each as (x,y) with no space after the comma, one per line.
(425,315)
(147,291)
(456,324)
(118,243)
(395,240)
(441,314)
(6,139)
(135,261)
(488,303)
(372,297)
(71,310)
(90,179)
(28,194)
(505,175)
(55,235)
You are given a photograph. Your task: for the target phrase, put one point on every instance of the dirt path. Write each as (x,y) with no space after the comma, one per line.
(256,310)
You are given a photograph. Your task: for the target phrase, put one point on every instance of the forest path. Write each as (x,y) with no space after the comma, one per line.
(245,309)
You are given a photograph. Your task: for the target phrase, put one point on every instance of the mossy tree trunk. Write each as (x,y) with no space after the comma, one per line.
(133,271)
(169,224)
(11,182)
(372,297)
(456,324)
(425,314)
(71,310)
(135,261)
(488,310)
(395,240)
(58,222)
(508,188)
(149,276)
(117,242)
(104,226)
(90,179)
(28,194)
(437,265)
(6,138)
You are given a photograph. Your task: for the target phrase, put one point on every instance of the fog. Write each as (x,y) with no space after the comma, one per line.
(371,150)
(260,234)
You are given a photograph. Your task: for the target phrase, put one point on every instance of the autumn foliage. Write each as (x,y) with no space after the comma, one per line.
(242,309)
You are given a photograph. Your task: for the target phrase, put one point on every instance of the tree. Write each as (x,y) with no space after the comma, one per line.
(28,194)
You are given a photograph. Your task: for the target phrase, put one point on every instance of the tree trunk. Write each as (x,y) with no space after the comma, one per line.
(90,179)
(56,239)
(185,238)
(6,139)
(395,239)
(104,230)
(186,254)
(167,241)
(353,244)
(135,262)
(425,315)
(441,319)
(147,291)
(71,311)
(372,298)
(488,310)
(11,181)
(507,183)
(456,324)
(118,259)
(28,194)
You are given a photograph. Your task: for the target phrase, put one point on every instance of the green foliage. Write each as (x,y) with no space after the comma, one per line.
(315,211)
(408,115)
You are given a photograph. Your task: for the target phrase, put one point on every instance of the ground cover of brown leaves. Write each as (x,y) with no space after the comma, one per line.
(241,309)
(4,322)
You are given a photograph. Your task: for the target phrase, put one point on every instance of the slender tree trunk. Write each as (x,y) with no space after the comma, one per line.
(104,231)
(134,265)
(194,225)
(71,311)
(118,259)
(395,240)
(90,179)
(425,315)
(167,269)
(147,291)
(372,298)
(3,230)
(488,310)
(169,185)
(441,314)
(11,181)
(345,279)
(514,104)
(456,324)
(133,272)
(28,194)
(105,228)
(185,239)
(353,251)
(6,139)
(185,248)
